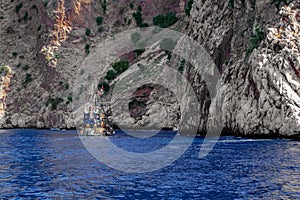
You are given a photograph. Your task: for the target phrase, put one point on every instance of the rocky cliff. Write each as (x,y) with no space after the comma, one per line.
(254,44)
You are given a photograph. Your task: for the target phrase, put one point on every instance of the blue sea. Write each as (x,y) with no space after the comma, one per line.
(42,164)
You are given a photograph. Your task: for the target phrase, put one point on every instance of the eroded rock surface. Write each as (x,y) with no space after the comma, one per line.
(254,44)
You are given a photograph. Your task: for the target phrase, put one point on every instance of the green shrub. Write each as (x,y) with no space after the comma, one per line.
(34,7)
(26,67)
(166,20)
(25,16)
(255,40)
(4,69)
(99,20)
(120,66)
(27,79)
(189,7)
(54,102)
(105,86)
(138,16)
(111,75)
(87,48)
(231,3)
(87,31)
(104,6)
(131,5)
(56,55)
(138,52)
(69,99)
(100,29)
(181,66)
(14,54)
(66,86)
(45,3)
(18,7)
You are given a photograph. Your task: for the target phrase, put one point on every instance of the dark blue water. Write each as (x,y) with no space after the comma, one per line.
(44,164)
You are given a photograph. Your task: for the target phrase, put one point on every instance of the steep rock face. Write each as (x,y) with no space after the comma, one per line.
(254,45)
(45,43)
(259,85)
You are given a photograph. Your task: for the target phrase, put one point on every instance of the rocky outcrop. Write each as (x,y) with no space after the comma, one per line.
(256,48)
(6,75)
(254,44)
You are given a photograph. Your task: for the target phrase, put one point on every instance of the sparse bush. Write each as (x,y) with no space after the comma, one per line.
(166,20)
(14,54)
(189,7)
(69,99)
(100,29)
(99,20)
(255,39)
(34,7)
(87,48)
(45,3)
(25,16)
(4,70)
(181,66)
(104,6)
(57,55)
(138,52)
(131,5)
(54,102)
(231,3)
(26,67)
(138,16)
(18,7)
(27,79)
(87,31)
(66,86)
